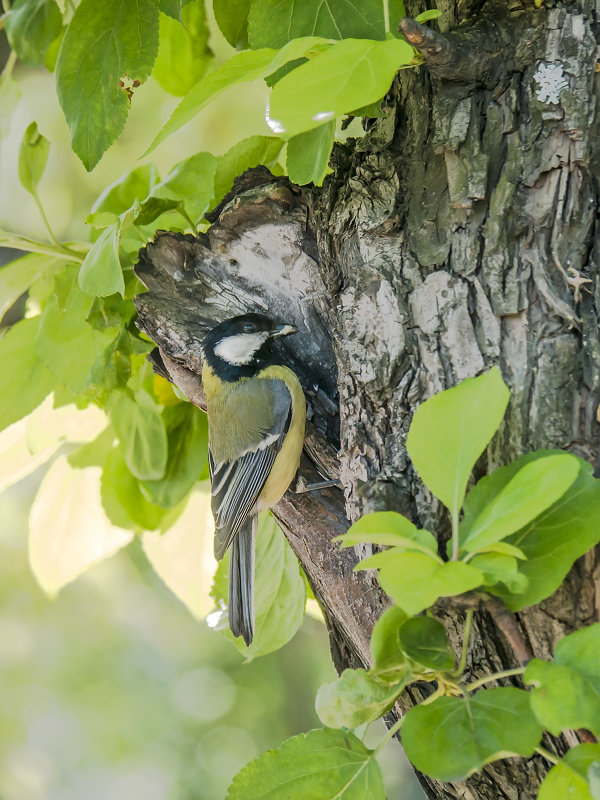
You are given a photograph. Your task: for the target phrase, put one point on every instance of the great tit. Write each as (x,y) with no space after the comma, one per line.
(256,416)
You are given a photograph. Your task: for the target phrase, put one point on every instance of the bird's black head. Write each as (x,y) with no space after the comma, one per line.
(241,346)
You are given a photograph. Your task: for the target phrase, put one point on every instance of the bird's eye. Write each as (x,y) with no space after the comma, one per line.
(249,327)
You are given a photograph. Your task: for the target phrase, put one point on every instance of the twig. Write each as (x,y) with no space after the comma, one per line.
(507,623)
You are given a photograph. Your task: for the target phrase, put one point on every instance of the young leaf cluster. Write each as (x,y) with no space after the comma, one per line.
(502,529)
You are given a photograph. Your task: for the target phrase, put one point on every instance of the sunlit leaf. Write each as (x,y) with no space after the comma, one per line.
(183,556)
(187,436)
(415,581)
(26,381)
(183,52)
(354,698)
(190,182)
(547,542)
(453,737)
(566,692)
(308,154)
(102,45)
(389,659)
(245,154)
(280,593)
(122,194)
(324,763)
(569,778)
(532,489)
(349,74)
(245,66)
(33,157)
(68,530)
(388,528)
(101,274)
(65,342)
(17,276)
(142,434)
(451,430)
(500,568)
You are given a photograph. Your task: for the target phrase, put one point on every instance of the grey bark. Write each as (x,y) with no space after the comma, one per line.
(440,246)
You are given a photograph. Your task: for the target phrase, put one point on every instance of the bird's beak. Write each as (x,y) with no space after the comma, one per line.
(283,330)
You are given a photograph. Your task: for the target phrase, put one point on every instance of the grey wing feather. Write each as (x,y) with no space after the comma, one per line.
(237,484)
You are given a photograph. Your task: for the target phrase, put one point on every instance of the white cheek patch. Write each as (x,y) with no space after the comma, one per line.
(240,349)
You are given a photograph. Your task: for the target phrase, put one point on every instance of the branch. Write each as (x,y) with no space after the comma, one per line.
(480,52)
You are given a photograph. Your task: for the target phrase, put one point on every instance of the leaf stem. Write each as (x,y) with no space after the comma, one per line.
(541,751)
(455,534)
(12,58)
(6,6)
(465,645)
(53,238)
(386,15)
(31,246)
(390,734)
(507,673)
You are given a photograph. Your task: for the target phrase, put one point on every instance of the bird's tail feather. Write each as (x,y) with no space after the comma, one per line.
(241,582)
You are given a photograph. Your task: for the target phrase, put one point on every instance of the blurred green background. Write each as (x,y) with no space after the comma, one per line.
(113,690)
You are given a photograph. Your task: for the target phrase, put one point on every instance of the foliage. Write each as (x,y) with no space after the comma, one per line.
(460,726)
(515,533)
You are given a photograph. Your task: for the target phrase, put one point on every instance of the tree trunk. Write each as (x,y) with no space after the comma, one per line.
(457,234)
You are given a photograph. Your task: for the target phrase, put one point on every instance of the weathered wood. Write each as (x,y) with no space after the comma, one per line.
(453,236)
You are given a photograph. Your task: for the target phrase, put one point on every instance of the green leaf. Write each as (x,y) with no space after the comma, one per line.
(389,660)
(183,52)
(190,182)
(272,23)
(26,381)
(566,693)
(423,639)
(555,539)
(499,567)
(17,276)
(354,698)
(415,581)
(535,487)
(122,194)
(451,738)
(65,342)
(33,157)
(187,436)
(94,453)
(245,66)
(349,74)
(232,19)
(142,434)
(31,27)
(152,208)
(425,16)
(320,765)
(505,549)
(388,528)
(308,154)
(172,7)
(124,502)
(569,778)
(248,153)
(104,43)
(101,274)
(451,430)
(280,594)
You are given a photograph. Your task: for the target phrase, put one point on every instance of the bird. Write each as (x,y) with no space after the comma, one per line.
(256,417)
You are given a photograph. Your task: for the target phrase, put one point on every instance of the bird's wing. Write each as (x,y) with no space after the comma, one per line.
(237,483)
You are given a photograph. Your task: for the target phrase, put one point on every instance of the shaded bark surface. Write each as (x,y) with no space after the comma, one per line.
(440,246)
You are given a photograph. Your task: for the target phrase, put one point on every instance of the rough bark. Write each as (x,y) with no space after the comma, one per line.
(441,245)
